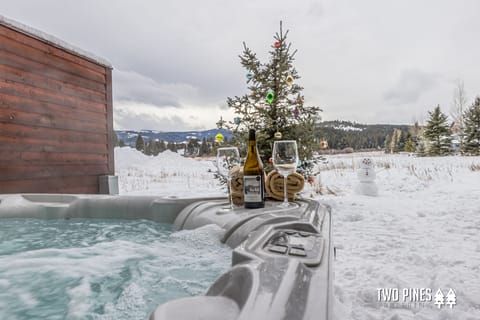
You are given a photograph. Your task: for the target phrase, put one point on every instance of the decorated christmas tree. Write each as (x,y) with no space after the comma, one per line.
(274,105)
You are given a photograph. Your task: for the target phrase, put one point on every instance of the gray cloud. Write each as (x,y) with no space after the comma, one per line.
(132,118)
(410,86)
(134,87)
(181,56)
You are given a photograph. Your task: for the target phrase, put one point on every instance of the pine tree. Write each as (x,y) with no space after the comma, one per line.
(115,140)
(388,143)
(139,144)
(438,134)
(153,148)
(471,138)
(161,146)
(148,148)
(422,146)
(172,146)
(191,148)
(410,145)
(204,147)
(274,105)
(394,146)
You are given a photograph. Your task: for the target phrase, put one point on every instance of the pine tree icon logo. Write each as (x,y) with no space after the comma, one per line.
(439,299)
(451,298)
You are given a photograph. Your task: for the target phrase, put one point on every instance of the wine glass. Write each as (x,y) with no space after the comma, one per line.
(285,159)
(227,158)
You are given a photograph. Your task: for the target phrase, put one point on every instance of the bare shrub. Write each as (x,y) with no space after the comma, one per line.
(474,167)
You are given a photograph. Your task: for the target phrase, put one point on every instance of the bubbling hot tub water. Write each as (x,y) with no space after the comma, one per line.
(102,268)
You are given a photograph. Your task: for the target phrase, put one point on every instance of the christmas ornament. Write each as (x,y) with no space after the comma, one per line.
(278,135)
(296,112)
(270,96)
(324,144)
(277,44)
(249,77)
(311,180)
(219,137)
(270,160)
(236,120)
(289,80)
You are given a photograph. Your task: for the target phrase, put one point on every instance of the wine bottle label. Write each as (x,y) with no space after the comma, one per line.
(252,189)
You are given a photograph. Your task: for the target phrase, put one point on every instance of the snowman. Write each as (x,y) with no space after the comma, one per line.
(366,178)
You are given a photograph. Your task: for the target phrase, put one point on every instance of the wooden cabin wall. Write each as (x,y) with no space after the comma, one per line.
(56,124)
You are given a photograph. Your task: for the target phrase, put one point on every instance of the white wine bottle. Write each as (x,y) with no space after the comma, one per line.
(253,178)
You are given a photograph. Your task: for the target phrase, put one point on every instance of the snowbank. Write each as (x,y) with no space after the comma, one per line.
(421,231)
(168,174)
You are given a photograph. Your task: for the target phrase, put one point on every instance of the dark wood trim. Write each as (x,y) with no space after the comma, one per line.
(40,44)
(14,104)
(24,91)
(43,70)
(82,184)
(59,87)
(20,157)
(56,117)
(48,59)
(53,145)
(32,171)
(12,130)
(52,120)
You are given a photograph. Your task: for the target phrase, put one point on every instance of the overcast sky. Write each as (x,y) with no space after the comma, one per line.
(176,61)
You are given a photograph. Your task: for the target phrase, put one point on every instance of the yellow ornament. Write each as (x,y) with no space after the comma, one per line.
(219,137)
(278,135)
(289,80)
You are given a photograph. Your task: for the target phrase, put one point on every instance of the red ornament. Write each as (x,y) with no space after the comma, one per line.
(277,44)
(270,160)
(311,180)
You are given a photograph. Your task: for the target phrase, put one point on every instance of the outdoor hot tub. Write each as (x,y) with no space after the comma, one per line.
(281,262)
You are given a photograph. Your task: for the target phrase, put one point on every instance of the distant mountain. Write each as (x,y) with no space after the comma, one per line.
(130,136)
(339,134)
(343,134)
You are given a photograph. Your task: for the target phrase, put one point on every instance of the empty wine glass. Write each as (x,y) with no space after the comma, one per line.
(285,159)
(227,158)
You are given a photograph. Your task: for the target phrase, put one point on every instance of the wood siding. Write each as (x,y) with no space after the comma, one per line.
(56,117)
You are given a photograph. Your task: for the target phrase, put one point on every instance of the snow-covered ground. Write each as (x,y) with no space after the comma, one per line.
(421,231)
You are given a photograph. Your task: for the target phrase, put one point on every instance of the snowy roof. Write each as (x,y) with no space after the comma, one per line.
(52,40)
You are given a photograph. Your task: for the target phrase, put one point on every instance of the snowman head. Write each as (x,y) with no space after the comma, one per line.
(366,163)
